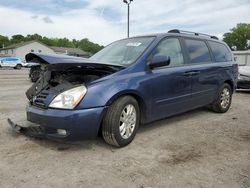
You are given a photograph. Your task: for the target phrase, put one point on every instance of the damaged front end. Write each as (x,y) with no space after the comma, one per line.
(29,129)
(63,74)
(55,96)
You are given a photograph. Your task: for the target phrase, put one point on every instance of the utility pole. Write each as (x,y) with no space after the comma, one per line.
(128,2)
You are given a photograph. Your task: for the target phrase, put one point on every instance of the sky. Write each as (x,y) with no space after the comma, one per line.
(103,21)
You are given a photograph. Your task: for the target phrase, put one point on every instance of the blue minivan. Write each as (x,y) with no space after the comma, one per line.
(130,82)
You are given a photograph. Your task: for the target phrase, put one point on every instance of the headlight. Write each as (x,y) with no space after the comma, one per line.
(69,99)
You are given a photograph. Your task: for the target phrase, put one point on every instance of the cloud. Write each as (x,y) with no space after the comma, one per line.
(104,21)
(212,17)
(102,11)
(34,17)
(51,7)
(73,24)
(47,19)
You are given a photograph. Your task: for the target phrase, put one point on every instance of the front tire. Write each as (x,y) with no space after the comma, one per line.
(35,75)
(121,122)
(223,103)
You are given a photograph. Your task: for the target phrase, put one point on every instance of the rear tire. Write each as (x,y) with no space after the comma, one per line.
(223,103)
(121,122)
(18,66)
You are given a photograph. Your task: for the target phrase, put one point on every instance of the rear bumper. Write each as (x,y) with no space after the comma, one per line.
(78,124)
(243,84)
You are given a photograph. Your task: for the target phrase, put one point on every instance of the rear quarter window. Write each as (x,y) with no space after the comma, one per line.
(220,51)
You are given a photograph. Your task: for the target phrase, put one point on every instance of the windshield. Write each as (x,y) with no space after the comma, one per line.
(123,52)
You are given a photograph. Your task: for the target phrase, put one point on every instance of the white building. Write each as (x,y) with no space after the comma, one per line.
(70,51)
(23,48)
(242,57)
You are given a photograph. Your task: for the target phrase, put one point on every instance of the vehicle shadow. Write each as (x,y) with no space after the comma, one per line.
(169,121)
(70,146)
(58,145)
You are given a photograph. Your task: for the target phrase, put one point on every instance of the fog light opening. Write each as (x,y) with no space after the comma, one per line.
(62,132)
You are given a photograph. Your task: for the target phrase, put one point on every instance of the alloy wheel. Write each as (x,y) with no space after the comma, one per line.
(225,98)
(127,121)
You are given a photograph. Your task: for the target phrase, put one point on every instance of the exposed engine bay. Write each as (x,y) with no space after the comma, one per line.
(59,73)
(55,80)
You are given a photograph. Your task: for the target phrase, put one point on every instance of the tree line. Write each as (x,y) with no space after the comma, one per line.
(238,38)
(83,44)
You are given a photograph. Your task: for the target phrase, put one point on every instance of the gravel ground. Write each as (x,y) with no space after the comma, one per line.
(196,149)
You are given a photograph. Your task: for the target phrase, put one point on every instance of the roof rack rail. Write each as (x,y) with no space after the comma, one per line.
(190,32)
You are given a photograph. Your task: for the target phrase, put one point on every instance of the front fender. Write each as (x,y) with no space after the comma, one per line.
(105,92)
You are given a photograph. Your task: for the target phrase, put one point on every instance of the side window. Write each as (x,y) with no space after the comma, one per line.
(198,51)
(220,51)
(170,47)
(32,50)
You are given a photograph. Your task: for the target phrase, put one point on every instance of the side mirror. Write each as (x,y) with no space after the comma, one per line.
(159,61)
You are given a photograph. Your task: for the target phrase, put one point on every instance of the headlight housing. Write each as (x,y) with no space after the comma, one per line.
(69,99)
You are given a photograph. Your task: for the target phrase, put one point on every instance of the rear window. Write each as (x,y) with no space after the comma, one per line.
(220,52)
(198,51)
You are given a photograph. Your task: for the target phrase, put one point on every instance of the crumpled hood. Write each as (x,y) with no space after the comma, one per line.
(52,58)
(244,70)
(61,61)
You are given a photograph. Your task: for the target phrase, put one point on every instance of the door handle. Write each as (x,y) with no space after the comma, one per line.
(187,73)
(191,73)
(195,73)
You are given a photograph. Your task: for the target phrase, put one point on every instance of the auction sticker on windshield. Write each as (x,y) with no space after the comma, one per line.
(134,44)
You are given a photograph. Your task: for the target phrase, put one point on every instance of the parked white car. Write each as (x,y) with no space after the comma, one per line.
(14,62)
(244,77)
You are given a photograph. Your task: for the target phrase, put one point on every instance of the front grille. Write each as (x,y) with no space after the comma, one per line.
(39,100)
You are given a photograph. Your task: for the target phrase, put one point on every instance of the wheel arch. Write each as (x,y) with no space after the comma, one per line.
(18,64)
(230,82)
(139,99)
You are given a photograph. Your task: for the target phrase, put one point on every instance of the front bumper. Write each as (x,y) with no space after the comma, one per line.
(78,124)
